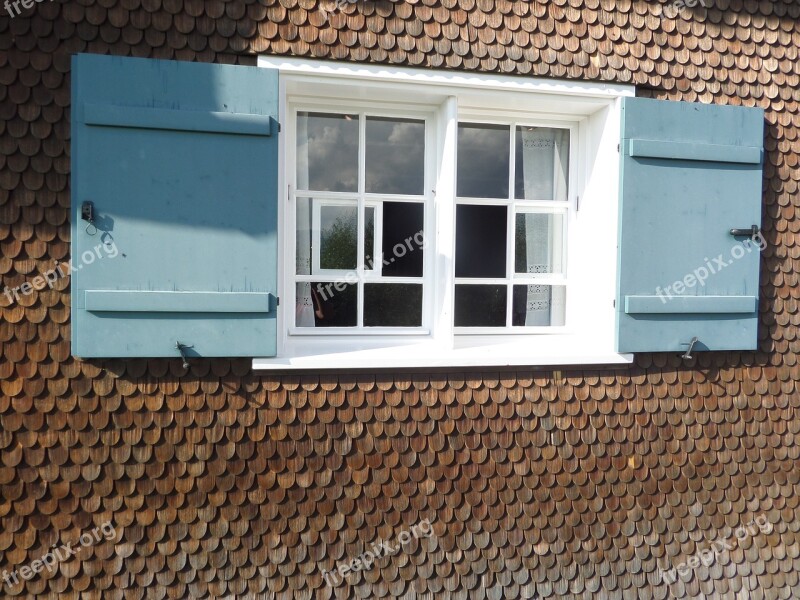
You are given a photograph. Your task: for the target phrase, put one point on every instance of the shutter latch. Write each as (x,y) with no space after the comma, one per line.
(752,232)
(87,214)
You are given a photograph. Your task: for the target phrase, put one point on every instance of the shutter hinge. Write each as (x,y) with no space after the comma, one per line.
(577,203)
(617,144)
(279,127)
(614,303)
(289,193)
(278,299)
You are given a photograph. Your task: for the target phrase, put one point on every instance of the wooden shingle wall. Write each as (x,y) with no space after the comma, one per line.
(221,483)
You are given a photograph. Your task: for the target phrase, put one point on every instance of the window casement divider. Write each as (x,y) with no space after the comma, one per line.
(361,217)
(444,225)
(510,228)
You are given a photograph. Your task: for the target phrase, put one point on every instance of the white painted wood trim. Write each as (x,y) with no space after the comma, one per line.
(416,358)
(445,78)
(442,98)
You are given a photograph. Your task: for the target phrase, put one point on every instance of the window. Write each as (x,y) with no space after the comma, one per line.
(434,225)
(511,219)
(360,221)
(408,218)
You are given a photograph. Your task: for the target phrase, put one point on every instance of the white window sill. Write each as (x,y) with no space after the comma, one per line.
(431,356)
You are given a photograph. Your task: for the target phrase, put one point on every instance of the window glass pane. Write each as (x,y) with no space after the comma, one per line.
(395,156)
(538,243)
(538,305)
(481,241)
(392,305)
(483,160)
(480,305)
(327,152)
(369,238)
(402,239)
(326,304)
(541,163)
(304,238)
(338,237)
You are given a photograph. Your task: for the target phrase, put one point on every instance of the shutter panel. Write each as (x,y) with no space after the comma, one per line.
(690,173)
(180,163)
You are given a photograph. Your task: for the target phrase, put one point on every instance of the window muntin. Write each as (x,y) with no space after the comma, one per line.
(359,237)
(511,221)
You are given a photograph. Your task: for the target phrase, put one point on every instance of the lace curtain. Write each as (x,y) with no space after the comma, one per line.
(545,155)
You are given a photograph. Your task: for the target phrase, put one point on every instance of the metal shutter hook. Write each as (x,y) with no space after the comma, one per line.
(182,349)
(688,354)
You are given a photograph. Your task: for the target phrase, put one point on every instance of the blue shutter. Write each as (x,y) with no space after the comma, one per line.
(180,163)
(690,174)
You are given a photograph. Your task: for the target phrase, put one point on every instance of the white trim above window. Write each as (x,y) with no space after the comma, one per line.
(570,279)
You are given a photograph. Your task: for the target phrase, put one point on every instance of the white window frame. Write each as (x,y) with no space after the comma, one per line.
(589,110)
(568,208)
(364,200)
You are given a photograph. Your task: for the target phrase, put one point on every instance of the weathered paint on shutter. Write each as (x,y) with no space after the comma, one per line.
(690,173)
(180,162)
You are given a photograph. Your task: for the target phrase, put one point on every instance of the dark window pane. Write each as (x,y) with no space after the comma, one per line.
(480,241)
(483,160)
(402,239)
(335,304)
(541,164)
(338,237)
(392,305)
(538,305)
(327,152)
(480,306)
(395,152)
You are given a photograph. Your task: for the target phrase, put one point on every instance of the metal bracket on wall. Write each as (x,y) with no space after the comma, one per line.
(688,354)
(182,349)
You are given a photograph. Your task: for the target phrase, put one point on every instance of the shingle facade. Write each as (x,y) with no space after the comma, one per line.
(225,483)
